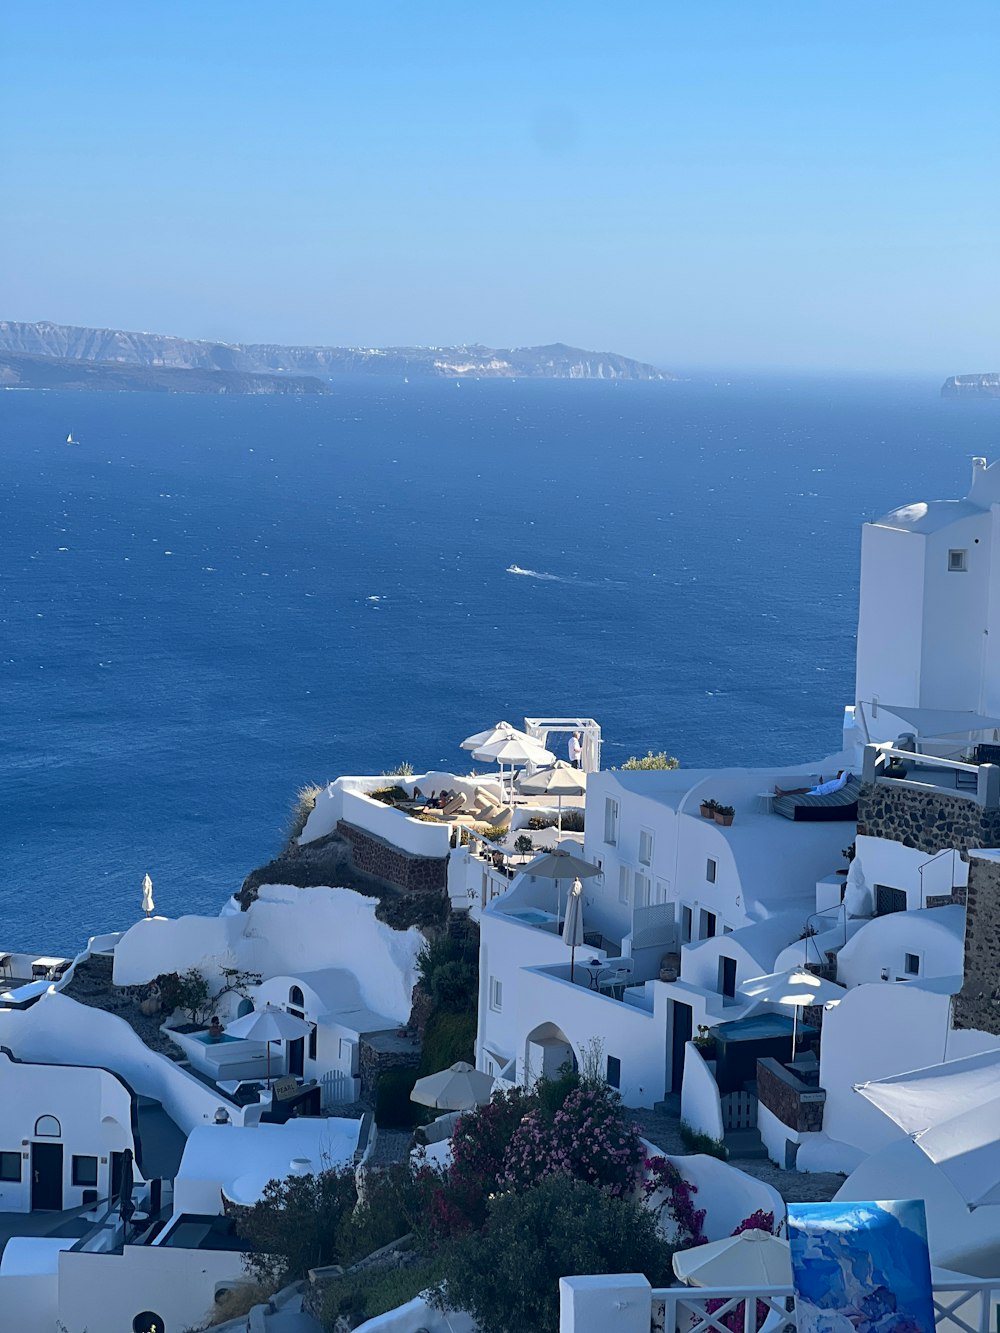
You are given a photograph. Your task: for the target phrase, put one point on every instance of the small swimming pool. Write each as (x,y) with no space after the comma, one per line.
(207,1040)
(531,916)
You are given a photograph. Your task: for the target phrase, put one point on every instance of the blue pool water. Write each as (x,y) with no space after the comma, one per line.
(212,600)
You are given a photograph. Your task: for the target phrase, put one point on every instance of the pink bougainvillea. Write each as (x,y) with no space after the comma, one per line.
(663,1176)
(589,1137)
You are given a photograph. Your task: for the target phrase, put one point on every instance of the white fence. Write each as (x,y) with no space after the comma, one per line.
(337,1089)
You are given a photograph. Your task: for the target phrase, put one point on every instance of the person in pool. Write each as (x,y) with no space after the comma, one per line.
(215,1029)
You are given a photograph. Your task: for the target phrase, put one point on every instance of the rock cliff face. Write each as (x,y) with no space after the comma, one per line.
(155,350)
(49,372)
(972,386)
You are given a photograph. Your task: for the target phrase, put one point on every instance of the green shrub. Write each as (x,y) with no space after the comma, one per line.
(449,970)
(302,808)
(507,1276)
(573,821)
(695,1141)
(390,1208)
(523,844)
(393,1108)
(389,795)
(649,761)
(360,1296)
(403,770)
(448,1037)
(295,1225)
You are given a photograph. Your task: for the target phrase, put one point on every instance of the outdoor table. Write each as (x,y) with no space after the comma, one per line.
(594,967)
(41,967)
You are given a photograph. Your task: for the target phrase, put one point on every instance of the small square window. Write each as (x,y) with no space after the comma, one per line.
(957,562)
(496,994)
(911,965)
(10,1166)
(85,1171)
(711,869)
(614,1072)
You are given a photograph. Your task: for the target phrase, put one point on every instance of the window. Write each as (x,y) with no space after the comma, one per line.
(640,890)
(623,884)
(888,899)
(727,976)
(47,1127)
(312,1043)
(711,869)
(645,847)
(496,994)
(911,964)
(85,1171)
(686,925)
(957,562)
(707,925)
(610,820)
(614,1072)
(10,1166)
(295,996)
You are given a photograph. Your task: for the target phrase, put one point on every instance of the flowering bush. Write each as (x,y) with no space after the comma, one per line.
(663,1176)
(588,1137)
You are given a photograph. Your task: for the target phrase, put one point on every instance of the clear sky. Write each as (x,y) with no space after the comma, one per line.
(786,183)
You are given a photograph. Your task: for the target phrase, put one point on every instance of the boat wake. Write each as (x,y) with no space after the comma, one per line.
(536,574)
(560,578)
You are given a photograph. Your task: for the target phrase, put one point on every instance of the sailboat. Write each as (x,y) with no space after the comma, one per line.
(70,440)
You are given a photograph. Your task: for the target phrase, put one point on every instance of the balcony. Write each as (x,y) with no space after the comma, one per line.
(931,804)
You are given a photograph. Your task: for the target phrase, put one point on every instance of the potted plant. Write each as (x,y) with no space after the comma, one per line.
(724,815)
(705,1041)
(708,808)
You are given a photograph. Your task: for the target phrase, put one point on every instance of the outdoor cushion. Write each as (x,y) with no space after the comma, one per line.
(836,805)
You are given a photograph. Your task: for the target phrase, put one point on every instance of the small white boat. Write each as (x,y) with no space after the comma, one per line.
(70,440)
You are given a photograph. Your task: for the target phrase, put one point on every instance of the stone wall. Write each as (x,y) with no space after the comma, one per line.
(926,818)
(977,1005)
(782,1093)
(383,1051)
(380,859)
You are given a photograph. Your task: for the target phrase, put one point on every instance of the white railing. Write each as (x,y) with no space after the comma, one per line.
(960,1306)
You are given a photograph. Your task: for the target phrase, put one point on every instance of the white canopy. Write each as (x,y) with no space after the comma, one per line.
(459,1088)
(752,1259)
(936,721)
(495,733)
(952,1113)
(512,748)
(269,1024)
(793,987)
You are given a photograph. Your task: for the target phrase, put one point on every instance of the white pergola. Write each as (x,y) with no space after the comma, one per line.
(543,729)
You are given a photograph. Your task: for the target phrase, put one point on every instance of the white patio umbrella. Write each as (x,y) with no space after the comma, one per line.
(461,1087)
(517,752)
(148,906)
(951,1112)
(751,1259)
(560,865)
(494,733)
(267,1025)
(792,989)
(560,780)
(573,928)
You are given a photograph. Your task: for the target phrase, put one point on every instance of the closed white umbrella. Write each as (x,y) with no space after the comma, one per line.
(752,1259)
(560,865)
(148,906)
(560,780)
(267,1025)
(792,989)
(458,1088)
(573,927)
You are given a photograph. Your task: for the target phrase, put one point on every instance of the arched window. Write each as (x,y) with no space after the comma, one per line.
(245,1007)
(47,1127)
(296,997)
(147,1322)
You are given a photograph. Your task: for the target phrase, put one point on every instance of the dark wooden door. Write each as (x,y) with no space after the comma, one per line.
(46,1177)
(681,1036)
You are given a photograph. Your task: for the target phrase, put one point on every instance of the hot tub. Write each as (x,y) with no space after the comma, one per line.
(227,1057)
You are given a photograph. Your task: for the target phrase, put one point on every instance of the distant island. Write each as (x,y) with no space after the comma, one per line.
(60,356)
(972,386)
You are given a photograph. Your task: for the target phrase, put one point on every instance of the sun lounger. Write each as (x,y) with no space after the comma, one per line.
(836,805)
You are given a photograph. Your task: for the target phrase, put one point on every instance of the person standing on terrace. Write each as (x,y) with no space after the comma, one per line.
(575,749)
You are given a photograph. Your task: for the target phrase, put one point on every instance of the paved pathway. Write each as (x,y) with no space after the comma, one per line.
(793,1186)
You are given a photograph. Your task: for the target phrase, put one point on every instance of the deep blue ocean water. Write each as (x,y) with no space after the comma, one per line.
(212,601)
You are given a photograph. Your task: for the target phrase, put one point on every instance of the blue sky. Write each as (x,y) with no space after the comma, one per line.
(740,183)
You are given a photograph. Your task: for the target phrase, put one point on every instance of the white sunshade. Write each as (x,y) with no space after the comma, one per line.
(751,1259)
(939,721)
(559,780)
(561,865)
(952,1113)
(269,1024)
(495,733)
(794,987)
(515,750)
(459,1088)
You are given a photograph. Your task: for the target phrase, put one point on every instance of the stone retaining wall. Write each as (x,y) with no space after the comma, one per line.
(381,1052)
(928,819)
(374,856)
(977,1005)
(781,1093)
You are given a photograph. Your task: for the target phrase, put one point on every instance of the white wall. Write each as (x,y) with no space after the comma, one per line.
(701,1105)
(885,861)
(417,1316)
(727,1194)
(285,931)
(29,1284)
(936,935)
(94,1113)
(416,836)
(955,616)
(103,1292)
(890,615)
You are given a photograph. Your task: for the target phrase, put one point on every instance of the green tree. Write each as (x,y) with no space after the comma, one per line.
(650,760)
(507,1276)
(296,1225)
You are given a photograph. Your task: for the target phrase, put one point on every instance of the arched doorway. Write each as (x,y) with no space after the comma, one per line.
(547,1050)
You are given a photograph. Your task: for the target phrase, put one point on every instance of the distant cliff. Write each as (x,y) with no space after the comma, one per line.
(972,386)
(157,350)
(52,372)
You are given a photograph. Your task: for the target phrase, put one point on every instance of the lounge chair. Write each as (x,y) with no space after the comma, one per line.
(836,805)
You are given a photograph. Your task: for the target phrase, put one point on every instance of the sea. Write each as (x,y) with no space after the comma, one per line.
(210,601)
